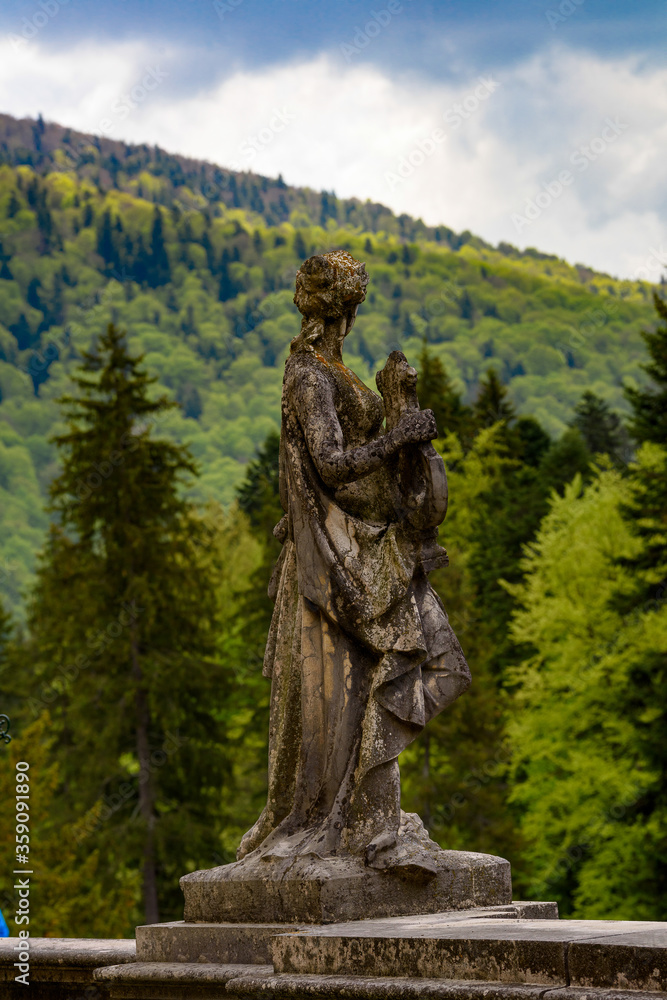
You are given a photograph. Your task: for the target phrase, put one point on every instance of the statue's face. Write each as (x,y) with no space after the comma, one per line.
(351,316)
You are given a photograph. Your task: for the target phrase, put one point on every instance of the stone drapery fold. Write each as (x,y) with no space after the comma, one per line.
(360,651)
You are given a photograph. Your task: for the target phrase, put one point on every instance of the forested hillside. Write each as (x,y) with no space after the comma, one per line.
(198,264)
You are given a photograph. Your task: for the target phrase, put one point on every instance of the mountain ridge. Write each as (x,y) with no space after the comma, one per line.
(34,142)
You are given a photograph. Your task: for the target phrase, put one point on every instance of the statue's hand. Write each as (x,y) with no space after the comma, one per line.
(415,426)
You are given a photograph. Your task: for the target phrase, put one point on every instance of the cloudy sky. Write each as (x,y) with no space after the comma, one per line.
(538,122)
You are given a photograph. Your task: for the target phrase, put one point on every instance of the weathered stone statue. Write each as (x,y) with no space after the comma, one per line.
(360,652)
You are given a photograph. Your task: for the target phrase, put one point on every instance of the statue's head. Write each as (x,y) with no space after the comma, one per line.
(329,287)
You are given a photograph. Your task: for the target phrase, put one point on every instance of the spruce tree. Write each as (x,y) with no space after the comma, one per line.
(106,242)
(300,248)
(258,494)
(532,441)
(226,289)
(600,427)
(646,513)
(645,584)
(32,296)
(641,596)
(158,267)
(492,403)
(259,498)
(14,205)
(566,458)
(649,419)
(436,393)
(123,630)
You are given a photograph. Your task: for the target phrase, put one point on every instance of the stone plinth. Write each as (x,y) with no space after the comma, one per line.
(320,891)
(518,952)
(600,954)
(241,944)
(514,952)
(237,944)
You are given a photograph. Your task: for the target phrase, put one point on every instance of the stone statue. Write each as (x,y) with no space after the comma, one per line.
(360,652)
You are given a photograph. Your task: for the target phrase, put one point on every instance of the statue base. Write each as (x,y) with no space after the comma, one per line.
(314,890)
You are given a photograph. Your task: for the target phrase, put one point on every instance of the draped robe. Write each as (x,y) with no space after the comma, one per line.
(360,652)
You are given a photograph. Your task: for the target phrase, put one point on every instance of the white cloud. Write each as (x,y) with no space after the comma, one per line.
(349,128)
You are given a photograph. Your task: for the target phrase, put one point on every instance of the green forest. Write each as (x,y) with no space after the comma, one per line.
(145,315)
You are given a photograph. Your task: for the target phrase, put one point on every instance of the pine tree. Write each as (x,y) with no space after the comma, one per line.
(645,580)
(649,420)
(158,267)
(436,393)
(566,458)
(532,441)
(56,307)
(32,294)
(209,251)
(22,332)
(600,427)
(258,494)
(4,257)
(123,629)
(259,498)
(641,596)
(226,289)
(300,248)
(646,512)
(492,403)
(106,245)
(14,206)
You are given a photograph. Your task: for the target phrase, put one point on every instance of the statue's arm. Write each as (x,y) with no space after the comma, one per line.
(318,418)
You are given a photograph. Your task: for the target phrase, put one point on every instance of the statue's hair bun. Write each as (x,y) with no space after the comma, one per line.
(330,284)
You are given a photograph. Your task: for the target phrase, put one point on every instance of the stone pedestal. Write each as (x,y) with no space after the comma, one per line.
(515,952)
(314,890)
